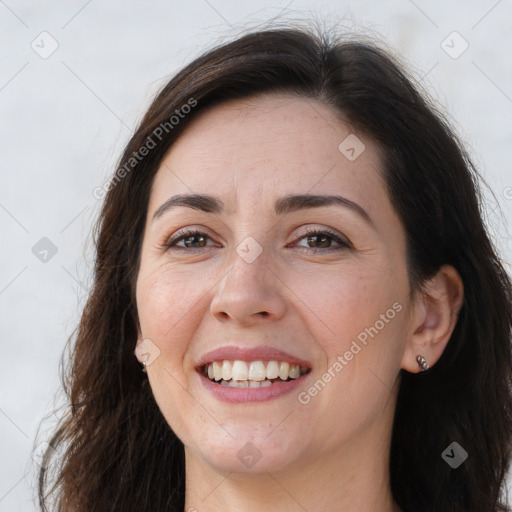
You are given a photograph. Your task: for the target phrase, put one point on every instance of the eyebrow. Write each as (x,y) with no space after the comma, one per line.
(286,204)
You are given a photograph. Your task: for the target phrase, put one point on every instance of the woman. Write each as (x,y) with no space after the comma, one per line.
(292,252)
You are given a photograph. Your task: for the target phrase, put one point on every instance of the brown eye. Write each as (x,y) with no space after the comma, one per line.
(321,240)
(192,239)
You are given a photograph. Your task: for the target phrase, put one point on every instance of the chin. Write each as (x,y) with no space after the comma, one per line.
(246,452)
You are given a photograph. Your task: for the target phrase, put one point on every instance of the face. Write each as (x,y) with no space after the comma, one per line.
(320,286)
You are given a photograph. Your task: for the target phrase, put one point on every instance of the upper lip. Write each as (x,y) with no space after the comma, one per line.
(261,353)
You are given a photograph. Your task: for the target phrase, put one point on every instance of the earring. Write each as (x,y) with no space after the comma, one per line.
(144,363)
(422,362)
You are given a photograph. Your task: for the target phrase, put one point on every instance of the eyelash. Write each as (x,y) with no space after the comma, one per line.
(343,244)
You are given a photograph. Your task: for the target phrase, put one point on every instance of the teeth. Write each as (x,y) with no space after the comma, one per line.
(272,370)
(257,371)
(226,370)
(236,384)
(284,368)
(239,373)
(217,370)
(294,372)
(245,384)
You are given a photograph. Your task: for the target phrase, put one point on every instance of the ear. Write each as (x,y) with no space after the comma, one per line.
(433,318)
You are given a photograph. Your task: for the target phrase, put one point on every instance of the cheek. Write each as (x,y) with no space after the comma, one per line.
(345,306)
(166,307)
(166,314)
(362,364)
(363,316)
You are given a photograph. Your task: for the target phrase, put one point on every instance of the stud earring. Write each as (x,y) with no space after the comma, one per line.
(422,363)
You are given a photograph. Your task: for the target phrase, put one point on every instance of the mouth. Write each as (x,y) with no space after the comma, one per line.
(252,374)
(240,375)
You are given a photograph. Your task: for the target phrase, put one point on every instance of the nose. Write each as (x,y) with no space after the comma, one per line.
(249,293)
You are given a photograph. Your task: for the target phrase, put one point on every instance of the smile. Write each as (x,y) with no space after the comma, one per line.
(236,374)
(253,374)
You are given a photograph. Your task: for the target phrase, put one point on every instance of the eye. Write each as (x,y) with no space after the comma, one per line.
(322,239)
(190,237)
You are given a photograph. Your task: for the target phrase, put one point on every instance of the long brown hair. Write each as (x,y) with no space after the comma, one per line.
(115,449)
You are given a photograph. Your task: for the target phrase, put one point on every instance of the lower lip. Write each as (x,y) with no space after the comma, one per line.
(243,395)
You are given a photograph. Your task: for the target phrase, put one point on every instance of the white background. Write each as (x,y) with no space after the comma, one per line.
(64,120)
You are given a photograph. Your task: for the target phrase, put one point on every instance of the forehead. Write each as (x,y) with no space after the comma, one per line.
(257,149)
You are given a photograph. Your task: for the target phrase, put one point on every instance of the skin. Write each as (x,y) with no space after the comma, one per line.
(249,153)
